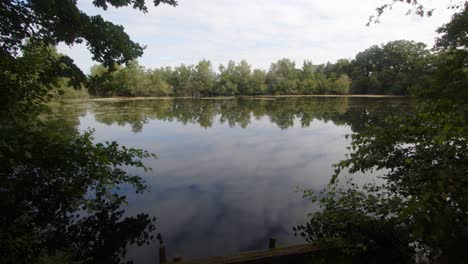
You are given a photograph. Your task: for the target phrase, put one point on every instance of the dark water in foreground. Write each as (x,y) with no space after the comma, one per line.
(227,170)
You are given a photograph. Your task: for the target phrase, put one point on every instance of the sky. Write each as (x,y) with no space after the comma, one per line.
(261,31)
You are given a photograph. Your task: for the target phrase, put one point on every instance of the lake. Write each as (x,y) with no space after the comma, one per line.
(228,170)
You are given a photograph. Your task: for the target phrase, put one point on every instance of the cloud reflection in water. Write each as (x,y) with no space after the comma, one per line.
(225,183)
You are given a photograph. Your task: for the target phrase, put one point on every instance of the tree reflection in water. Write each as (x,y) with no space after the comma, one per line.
(208,113)
(59,199)
(240,112)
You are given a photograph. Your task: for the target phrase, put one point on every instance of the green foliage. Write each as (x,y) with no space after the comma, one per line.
(454,33)
(341,85)
(132,80)
(55,181)
(65,91)
(361,222)
(203,78)
(398,67)
(257,83)
(449,79)
(283,78)
(227,83)
(237,79)
(451,74)
(52,22)
(180,80)
(393,68)
(418,211)
(26,81)
(59,190)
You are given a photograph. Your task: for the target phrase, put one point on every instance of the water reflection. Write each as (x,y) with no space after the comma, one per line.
(282,112)
(57,194)
(227,170)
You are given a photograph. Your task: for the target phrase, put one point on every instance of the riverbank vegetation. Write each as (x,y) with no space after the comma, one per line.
(396,68)
(418,213)
(57,186)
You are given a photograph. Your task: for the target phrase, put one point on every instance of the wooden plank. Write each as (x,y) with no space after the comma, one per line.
(264,256)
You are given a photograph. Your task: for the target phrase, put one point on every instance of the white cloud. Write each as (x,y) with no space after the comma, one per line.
(261,31)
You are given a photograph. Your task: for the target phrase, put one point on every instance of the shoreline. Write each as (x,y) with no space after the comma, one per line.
(258,97)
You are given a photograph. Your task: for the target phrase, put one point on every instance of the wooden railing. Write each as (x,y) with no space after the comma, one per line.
(291,254)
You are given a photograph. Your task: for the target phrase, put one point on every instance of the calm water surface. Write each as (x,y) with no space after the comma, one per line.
(227,171)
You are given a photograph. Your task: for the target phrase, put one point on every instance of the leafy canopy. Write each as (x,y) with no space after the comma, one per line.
(57,187)
(418,213)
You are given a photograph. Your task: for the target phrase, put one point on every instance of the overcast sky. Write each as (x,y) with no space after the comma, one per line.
(261,31)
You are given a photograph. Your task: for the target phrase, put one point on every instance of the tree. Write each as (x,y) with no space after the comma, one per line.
(235,79)
(282,77)
(341,85)
(451,63)
(257,82)
(181,80)
(419,212)
(159,81)
(417,7)
(56,184)
(340,67)
(52,22)
(203,79)
(396,67)
(38,55)
(58,199)
(227,84)
(243,73)
(308,83)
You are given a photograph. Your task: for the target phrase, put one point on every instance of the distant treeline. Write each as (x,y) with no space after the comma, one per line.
(397,68)
(201,80)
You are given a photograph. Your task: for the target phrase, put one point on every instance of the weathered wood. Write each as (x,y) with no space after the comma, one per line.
(162,255)
(272,243)
(278,255)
